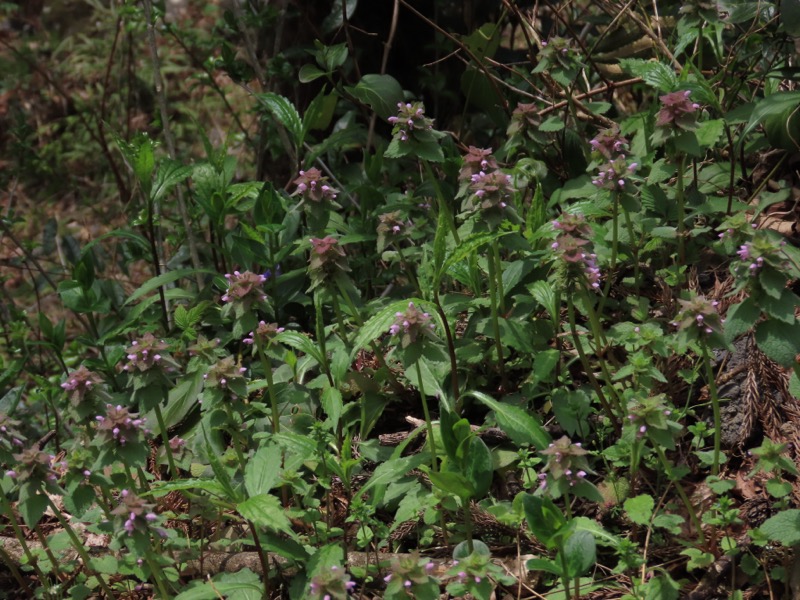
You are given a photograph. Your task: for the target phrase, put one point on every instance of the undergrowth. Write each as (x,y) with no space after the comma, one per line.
(496,303)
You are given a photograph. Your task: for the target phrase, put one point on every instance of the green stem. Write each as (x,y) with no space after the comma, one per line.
(23,585)
(320,325)
(158,575)
(340,319)
(428,422)
(262,558)
(376,351)
(680,197)
(165,439)
(273,399)
(79,547)
(614,249)
(498,272)
(408,270)
(8,511)
(451,350)
(681,492)
(712,390)
(588,368)
(634,247)
(498,343)
(236,437)
(601,344)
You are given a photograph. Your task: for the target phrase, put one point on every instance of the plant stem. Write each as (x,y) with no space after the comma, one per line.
(681,492)
(680,197)
(498,272)
(8,511)
(320,325)
(273,400)
(165,438)
(588,368)
(428,422)
(614,248)
(451,350)
(158,575)
(498,343)
(79,547)
(712,390)
(634,248)
(340,318)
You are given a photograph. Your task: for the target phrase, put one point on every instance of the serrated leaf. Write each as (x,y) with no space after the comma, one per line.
(783,527)
(639,509)
(262,470)
(380,92)
(301,342)
(779,341)
(469,246)
(265,510)
(520,425)
(169,174)
(741,318)
(654,74)
(156,282)
(285,113)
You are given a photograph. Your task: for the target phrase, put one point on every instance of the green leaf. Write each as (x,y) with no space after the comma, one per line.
(741,318)
(779,115)
(580,552)
(265,510)
(380,92)
(262,470)
(779,341)
(654,74)
(662,587)
(285,113)
(440,247)
(309,73)
(214,591)
(469,246)
(162,280)
(552,124)
(391,471)
(544,518)
(709,132)
(170,173)
(332,405)
(32,504)
(781,308)
(378,326)
(783,527)
(520,425)
(790,17)
(301,342)
(478,466)
(453,483)
(640,509)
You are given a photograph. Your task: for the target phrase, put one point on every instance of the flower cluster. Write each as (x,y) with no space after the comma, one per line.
(390,228)
(411,577)
(82,383)
(410,118)
(33,466)
(614,174)
(698,317)
(566,465)
(136,516)
(475,161)
(327,260)
(225,379)
(245,288)
(313,185)
(571,245)
(677,110)
(331,584)
(489,192)
(263,333)
(119,426)
(10,437)
(760,252)
(411,325)
(146,353)
(650,417)
(525,118)
(609,143)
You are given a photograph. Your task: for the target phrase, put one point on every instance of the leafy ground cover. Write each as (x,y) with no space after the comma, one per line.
(399,301)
